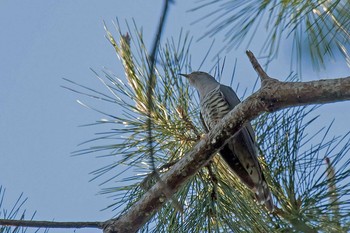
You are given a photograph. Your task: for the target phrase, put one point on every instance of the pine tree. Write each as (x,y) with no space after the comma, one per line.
(307,173)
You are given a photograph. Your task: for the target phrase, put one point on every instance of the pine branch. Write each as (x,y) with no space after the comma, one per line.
(273,96)
(320,25)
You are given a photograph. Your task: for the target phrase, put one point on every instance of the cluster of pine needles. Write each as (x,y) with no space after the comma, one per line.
(308,172)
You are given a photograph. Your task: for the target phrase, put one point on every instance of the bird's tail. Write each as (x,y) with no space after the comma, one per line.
(263,195)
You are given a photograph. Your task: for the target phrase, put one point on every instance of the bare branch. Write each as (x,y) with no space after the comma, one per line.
(152,82)
(150,87)
(257,67)
(271,97)
(50,224)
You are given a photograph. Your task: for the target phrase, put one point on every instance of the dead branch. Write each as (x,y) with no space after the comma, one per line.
(50,224)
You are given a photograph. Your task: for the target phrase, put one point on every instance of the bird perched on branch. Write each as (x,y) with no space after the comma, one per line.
(240,152)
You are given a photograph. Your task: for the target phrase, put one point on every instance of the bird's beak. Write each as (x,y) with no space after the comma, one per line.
(185,75)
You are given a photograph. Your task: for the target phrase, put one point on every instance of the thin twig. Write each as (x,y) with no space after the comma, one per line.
(150,88)
(151,82)
(257,67)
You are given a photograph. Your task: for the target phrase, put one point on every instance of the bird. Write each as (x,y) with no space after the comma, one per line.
(240,152)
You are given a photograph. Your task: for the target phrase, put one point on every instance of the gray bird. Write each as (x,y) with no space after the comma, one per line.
(240,153)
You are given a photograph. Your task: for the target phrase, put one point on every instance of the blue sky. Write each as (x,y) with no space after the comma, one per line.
(42,42)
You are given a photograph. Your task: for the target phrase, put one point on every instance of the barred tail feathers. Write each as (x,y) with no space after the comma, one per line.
(263,195)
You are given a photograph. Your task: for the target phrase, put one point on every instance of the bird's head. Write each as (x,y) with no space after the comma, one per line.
(200,80)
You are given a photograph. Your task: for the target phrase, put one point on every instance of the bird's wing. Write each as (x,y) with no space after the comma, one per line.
(247,131)
(203,123)
(251,173)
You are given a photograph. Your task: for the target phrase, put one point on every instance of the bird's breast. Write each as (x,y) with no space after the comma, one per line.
(213,107)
